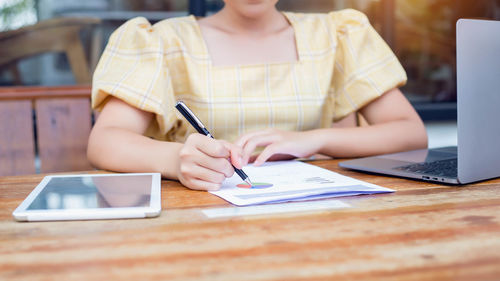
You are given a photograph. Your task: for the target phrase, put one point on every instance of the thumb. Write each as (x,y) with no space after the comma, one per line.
(236,154)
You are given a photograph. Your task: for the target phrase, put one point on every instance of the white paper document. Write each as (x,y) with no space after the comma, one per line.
(282,181)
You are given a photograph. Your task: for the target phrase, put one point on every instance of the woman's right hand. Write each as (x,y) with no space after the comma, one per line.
(204,162)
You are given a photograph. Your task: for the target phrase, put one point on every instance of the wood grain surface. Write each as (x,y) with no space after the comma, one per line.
(423,231)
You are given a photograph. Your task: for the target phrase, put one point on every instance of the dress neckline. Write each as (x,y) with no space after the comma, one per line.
(204,44)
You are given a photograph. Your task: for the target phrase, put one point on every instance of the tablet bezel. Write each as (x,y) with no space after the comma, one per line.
(21,213)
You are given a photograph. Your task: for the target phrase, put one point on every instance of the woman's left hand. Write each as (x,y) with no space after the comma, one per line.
(278,143)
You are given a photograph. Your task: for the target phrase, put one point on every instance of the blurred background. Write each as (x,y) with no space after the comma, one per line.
(421,33)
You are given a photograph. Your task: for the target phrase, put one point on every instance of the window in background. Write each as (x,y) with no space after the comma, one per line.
(424,41)
(13,15)
(16,13)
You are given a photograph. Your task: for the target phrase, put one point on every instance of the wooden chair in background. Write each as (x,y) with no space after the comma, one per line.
(54,35)
(62,117)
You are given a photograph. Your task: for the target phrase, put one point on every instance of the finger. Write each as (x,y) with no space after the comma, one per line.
(269,151)
(236,158)
(220,165)
(244,138)
(252,158)
(236,154)
(212,147)
(191,154)
(197,184)
(252,144)
(274,157)
(190,173)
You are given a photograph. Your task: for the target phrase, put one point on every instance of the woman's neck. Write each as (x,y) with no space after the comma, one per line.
(267,23)
(234,38)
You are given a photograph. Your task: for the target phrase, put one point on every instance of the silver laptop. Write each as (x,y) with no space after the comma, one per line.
(477,154)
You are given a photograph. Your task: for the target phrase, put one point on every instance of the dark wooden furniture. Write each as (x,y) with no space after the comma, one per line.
(423,231)
(62,117)
(54,35)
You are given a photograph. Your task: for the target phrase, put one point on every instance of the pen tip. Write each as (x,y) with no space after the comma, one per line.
(247,180)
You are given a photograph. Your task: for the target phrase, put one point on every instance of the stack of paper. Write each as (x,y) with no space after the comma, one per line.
(291,181)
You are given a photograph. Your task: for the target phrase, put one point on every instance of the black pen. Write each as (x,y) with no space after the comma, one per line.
(189,115)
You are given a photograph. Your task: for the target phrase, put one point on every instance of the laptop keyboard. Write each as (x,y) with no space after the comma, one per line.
(444,168)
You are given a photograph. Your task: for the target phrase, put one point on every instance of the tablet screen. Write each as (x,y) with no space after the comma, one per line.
(94,192)
(95,196)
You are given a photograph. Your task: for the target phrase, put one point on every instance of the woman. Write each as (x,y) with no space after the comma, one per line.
(258,78)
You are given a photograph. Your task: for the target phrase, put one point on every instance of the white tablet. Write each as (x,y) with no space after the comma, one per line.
(86,197)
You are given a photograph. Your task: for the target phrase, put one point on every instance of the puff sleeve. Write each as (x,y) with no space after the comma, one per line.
(365,67)
(132,68)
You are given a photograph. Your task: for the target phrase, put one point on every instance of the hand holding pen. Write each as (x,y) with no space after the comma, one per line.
(211,157)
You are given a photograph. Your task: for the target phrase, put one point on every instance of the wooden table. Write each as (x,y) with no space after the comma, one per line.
(423,231)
